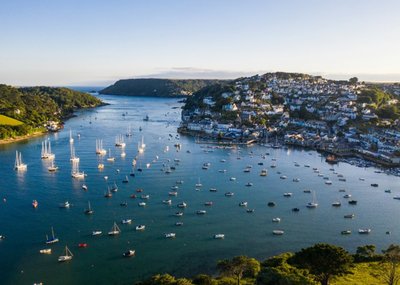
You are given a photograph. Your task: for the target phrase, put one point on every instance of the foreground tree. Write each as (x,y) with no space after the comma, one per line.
(238,267)
(323,261)
(390,266)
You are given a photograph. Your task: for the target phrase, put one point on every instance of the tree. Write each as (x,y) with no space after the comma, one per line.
(391,261)
(353,80)
(323,261)
(366,253)
(238,267)
(203,279)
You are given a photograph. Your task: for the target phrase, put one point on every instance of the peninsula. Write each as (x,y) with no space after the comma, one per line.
(29,111)
(155,87)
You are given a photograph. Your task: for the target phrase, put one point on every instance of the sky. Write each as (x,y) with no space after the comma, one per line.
(96,42)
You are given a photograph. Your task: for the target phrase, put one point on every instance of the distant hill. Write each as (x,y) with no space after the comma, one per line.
(158,87)
(26,110)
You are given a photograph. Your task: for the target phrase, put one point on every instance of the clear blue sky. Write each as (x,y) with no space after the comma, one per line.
(86,42)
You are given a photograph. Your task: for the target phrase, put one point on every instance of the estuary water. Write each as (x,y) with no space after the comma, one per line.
(194,250)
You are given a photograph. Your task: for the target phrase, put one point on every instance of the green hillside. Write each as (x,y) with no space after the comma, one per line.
(157,87)
(4,120)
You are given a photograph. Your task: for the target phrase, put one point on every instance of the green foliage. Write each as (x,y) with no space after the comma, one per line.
(390,265)
(238,267)
(323,261)
(374,96)
(4,120)
(366,253)
(388,112)
(157,87)
(203,279)
(353,80)
(276,271)
(36,105)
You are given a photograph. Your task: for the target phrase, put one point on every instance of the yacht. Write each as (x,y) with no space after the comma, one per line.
(119,141)
(99,148)
(19,165)
(313,203)
(173,193)
(53,238)
(89,210)
(232,179)
(198,184)
(283,177)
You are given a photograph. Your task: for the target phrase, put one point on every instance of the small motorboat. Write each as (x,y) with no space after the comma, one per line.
(346,232)
(126,221)
(173,193)
(287,194)
(249,184)
(182,205)
(295,210)
(219,236)
(278,232)
(123,204)
(374,185)
(353,202)
(35,204)
(82,245)
(243,204)
(168,202)
(96,233)
(84,187)
(65,205)
(129,253)
(213,189)
(271,204)
(229,194)
(250,211)
(276,220)
(364,231)
(208,203)
(45,251)
(179,214)
(201,212)
(141,204)
(140,227)
(178,224)
(170,235)
(349,216)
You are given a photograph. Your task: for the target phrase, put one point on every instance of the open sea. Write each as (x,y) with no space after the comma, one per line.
(194,250)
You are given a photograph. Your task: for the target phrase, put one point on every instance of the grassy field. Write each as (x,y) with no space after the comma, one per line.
(364,274)
(4,120)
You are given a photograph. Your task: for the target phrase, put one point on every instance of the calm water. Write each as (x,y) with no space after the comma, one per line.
(194,250)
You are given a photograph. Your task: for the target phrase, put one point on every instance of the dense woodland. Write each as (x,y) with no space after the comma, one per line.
(157,87)
(319,264)
(35,106)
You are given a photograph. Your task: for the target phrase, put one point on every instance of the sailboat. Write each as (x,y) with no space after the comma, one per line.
(115,230)
(99,148)
(19,165)
(52,167)
(68,255)
(75,173)
(89,210)
(108,194)
(129,131)
(198,184)
(46,150)
(53,238)
(119,141)
(110,158)
(313,203)
(71,139)
(73,157)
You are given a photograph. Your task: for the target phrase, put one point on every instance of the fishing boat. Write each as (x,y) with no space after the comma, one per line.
(219,236)
(115,230)
(45,251)
(19,165)
(99,148)
(313,203)
(89,210)
(96,233)
(129,253)
(46,150)
(35,204)
(53,238)
(67,256)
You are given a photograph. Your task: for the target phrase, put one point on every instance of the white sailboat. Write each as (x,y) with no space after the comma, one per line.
(110,157)
(53,238)
(67,256)
(129,132)
(119,141)
(140,149)
(198,184)
(73,158)
(46,150)
(52,167)
(71,139)
(99,148)
(75,173)
(19,165)
(115,230)
(142,144)
(313,203)
(89,210)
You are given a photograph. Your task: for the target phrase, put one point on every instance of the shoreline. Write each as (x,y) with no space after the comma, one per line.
(21,138)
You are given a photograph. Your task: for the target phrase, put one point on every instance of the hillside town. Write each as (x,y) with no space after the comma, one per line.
(342,118)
